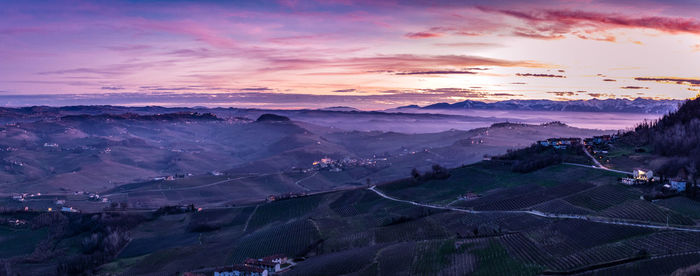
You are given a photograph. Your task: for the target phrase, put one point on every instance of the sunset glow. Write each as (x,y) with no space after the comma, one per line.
(369,54)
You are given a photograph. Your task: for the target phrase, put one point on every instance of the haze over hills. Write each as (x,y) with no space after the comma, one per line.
(111,149)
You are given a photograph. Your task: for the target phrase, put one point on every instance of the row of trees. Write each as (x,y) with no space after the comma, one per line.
(537,157)
(437,172)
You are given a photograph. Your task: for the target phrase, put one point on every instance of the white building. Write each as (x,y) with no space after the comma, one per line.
(678,185)
(643,175)
(69,209)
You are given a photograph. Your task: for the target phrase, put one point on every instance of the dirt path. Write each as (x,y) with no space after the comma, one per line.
(192,187)
(245,227)
(298,182)
(597,164)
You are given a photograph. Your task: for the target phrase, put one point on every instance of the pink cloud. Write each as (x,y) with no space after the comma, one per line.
(552,24)
(419,35)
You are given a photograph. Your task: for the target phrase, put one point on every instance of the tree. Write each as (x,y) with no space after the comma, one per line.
(415,174)
(692,170)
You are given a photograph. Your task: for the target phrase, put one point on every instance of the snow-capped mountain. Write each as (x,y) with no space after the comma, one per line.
(638,105)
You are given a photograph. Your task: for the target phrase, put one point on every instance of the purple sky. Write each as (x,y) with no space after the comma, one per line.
(369,54)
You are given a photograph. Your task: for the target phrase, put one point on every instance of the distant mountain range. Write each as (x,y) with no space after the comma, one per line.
(638,105)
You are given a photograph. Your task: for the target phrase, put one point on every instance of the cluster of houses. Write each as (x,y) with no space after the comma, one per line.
(255,267)
(172,177)
(560,143)
(469,196)
(600,140)
(13,222)
(289,195)
(338,165)
(21,197)
(50,145)
(640,177)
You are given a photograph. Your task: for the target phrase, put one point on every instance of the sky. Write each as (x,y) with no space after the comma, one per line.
(366,54)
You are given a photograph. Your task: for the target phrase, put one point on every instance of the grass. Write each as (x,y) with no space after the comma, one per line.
(119,266)
(143,246)
(16,242)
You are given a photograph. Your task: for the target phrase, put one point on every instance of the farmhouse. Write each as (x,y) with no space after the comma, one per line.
(240,270)
(69,210)
(643,175)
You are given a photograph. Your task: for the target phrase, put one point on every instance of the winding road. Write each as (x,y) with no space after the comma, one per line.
(545,215)
(598,165)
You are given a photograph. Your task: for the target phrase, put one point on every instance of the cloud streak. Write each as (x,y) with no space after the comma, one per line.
(539,75)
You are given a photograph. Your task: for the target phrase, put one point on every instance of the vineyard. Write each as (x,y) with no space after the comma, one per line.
(432,256)
(523,196)
(291,239)
(489,175)
(396,259)
(493,259)
(654,266)
(559,206)
(221,217)
(683,205)
(668,242)
(142,246)
(283,210)
(339,263)
(603,197)
(645,211)
(583,234)
(421,229)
